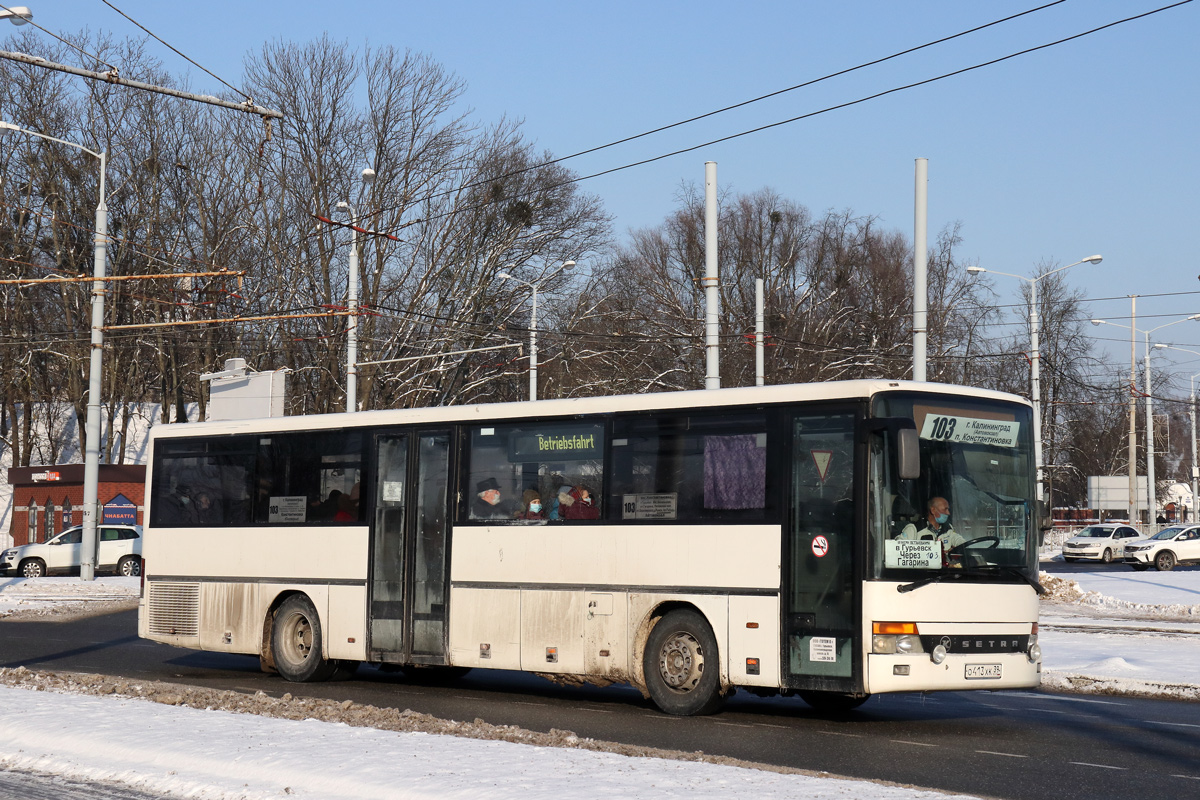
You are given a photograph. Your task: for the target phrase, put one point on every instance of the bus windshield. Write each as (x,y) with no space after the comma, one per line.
(971,513)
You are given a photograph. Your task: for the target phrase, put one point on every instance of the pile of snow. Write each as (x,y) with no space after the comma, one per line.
(156,740)
(65,596)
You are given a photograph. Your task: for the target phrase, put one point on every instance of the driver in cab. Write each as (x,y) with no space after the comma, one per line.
(937,525)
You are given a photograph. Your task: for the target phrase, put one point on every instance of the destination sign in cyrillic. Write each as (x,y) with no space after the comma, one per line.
(970,430)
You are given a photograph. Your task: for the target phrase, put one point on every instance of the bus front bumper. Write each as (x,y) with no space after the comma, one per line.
(916,672)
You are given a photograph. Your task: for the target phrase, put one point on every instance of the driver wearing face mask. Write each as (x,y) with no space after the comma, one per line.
(937,525)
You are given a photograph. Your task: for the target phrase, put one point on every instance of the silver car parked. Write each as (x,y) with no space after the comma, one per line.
(120,551)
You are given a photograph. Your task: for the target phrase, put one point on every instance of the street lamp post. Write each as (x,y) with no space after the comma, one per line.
(1192,414)
(91,452)
(368,177)
(1035,358)
(1151,493)
(533,288)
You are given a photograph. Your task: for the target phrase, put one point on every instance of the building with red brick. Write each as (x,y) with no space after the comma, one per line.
(48,500)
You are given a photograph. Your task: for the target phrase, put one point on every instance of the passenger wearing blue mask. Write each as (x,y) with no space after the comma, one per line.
(937,525)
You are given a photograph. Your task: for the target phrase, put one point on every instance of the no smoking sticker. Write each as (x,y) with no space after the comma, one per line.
(820,546)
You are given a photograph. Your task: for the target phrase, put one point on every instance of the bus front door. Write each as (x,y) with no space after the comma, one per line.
(409,567)
(819,617)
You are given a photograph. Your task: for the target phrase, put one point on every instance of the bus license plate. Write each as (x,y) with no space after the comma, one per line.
(982,671)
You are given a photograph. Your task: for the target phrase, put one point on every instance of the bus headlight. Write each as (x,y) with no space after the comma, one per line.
(889,638)
(1035,653)
(938,654)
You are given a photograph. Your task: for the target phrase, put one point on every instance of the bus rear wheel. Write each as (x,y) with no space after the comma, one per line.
(297,642)
(681,665)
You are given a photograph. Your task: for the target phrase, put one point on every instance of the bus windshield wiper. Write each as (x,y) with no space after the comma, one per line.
(908,587)
(1010,570)
(1031,581)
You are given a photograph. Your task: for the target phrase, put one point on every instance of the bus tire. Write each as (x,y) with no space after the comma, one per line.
(682,666)
(297,642)
(833,702)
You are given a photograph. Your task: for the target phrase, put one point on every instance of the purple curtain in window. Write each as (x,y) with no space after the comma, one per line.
(735,472)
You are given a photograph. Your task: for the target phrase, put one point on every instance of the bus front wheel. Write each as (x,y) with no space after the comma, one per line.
(681,665)
(297,642)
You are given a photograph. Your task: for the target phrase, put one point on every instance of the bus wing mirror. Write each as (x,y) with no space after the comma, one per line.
(908,454)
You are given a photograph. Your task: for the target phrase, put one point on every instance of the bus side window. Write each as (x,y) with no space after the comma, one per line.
(558,466)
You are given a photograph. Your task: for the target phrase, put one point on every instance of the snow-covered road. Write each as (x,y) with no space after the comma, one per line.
(1111,632)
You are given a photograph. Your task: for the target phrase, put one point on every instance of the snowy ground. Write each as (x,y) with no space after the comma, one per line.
(1111,632)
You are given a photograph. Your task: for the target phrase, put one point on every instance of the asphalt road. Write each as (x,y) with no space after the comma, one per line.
(1026,745)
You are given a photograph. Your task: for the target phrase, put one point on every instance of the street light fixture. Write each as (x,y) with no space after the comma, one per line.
(533,287)
(1035,357)
(17,15)
(91,452)
(368,177)
(1151,494)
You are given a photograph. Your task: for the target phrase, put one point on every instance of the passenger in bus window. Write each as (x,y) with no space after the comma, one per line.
(327,508)
(206,511)
(488,499)
(531,505)
(578,504)
(348,505)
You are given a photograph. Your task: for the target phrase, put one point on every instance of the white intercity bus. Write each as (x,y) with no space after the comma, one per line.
(772,539)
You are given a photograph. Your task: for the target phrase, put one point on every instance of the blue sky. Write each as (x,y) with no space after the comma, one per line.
(1087,147)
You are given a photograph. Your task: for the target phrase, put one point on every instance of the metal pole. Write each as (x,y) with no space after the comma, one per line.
(112,77)
(920,268)
(759,356)
(1133,498)
(1035,365)
(1195,468)
(352,326)
(712,297)
(533,359)
(91,453)
(1151,493)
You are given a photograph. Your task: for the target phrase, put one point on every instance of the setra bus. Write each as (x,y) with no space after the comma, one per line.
(687,543)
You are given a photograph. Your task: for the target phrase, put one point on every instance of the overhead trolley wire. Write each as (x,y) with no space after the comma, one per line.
(178,53)
(759,129)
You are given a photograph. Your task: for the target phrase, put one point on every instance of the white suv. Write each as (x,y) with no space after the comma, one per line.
(120,551)
(1104,542)
(1165,549)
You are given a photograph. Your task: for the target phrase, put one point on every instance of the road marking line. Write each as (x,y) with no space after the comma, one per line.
(1188,777)
(918,744)
(769,725)
(996,753)
(594,710)
(1176,724)
(525,703)
(733,724)
(836,733)
(1100,766)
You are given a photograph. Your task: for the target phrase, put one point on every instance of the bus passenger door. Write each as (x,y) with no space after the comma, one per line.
(409,565)
(820,626)
(430,552)
(388,548)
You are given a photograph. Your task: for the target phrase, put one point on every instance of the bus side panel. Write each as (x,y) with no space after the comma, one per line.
(485,628)
(311,553)
(950,609)
(230,617)
(619,555)
(552,631)
(346,623)
(756,647)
